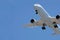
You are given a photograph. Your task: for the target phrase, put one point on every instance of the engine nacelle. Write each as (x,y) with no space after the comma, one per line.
(57,17)
(32,20)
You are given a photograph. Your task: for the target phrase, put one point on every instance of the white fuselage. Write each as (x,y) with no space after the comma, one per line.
(43,14)
(45,17)
(46,20)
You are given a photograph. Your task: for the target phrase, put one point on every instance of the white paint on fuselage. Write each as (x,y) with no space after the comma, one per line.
(43,14)
(45,17)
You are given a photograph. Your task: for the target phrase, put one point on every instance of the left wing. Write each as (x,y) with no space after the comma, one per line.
(37,23)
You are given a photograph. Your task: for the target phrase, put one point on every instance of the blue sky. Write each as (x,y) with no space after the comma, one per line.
(15,13)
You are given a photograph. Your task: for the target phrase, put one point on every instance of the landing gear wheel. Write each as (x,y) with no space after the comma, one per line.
(36,11)
(55,26)
(43,28)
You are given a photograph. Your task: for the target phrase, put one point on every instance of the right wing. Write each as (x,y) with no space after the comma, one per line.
(53,19)
(56,31)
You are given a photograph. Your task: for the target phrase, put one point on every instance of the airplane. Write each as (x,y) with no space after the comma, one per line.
(45,20)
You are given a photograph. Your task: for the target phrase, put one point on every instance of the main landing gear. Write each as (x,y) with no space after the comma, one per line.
(55,25)
(43,28)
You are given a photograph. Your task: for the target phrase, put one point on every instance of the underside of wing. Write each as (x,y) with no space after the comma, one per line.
(56,31)
(53,19)
(38,23)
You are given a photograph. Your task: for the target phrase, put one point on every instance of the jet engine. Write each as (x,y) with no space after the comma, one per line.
(32,20)
(57,17)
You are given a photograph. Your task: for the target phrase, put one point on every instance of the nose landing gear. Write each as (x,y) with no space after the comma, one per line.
(36,11)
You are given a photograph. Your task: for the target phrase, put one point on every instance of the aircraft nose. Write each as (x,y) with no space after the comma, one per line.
(37,5)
